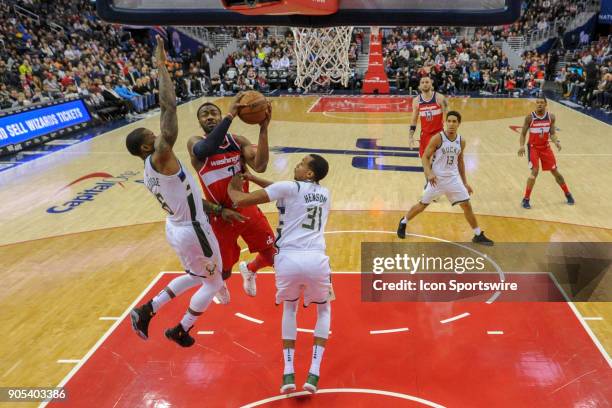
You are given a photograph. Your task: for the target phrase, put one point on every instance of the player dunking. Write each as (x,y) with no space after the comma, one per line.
(301,263)
(430,107)
(216,159)
(541,127)
(445,172)
(187,228)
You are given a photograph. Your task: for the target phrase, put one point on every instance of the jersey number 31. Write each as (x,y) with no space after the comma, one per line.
(314,216)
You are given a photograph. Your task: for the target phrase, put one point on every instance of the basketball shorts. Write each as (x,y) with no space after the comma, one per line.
(196,246)
(255,231)
(452,187)
(306,272)
(545,155)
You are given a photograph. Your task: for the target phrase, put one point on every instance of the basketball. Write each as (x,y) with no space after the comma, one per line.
(255,110)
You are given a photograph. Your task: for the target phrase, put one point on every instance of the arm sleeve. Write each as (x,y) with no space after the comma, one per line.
(211,143)
(282,189)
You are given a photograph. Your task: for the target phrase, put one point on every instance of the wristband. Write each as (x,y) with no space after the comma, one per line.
(412,128)
(218,209)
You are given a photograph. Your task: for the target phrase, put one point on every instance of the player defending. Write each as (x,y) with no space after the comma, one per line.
(217,159)
(187,228)
(541,127)
(301,262)
(445,172)
(431,107)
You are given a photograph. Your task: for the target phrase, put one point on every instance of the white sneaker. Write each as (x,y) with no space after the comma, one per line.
(248,279)
(223,295)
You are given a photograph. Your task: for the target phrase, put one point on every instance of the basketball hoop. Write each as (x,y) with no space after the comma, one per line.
(321,55)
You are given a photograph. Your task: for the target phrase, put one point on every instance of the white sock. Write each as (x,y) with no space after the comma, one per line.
(477,231)
(317,356)
(159,300)
(289,355)
(403,220)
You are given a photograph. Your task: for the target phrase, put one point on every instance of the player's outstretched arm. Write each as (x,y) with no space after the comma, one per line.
(524,131)
(261,182)
(257,159)
(167,102)
(443,101)
(242,199)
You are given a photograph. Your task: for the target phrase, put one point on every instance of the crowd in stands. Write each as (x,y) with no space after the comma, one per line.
(68,52)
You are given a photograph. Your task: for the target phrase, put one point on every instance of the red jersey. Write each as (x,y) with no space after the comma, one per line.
(218,169)
(430,112)
(539,130)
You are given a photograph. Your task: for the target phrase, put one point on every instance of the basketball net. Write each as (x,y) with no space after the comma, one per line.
(321,55)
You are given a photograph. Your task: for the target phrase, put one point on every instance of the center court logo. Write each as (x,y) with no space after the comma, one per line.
(92,191)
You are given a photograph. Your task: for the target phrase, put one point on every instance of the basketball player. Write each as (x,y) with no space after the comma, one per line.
(301,263)
(445,172)
(541,126)
(217,159)
(431,107)
(187,228)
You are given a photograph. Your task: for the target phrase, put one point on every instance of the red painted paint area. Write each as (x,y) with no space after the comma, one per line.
(371,104)
(544,358)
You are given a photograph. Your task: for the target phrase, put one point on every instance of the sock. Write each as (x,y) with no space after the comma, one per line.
(201,299)
(288,354)
(477,231)
(403,220)
(527,193)
(189,319)
(264,258)
(317,356)
(565,188)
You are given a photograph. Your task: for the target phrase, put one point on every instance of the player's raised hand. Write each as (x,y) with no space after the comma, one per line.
(268,118)
(160,52)
(236,105)
(230,216)
(521,151)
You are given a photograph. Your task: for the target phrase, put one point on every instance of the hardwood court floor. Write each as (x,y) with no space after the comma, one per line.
(62,271)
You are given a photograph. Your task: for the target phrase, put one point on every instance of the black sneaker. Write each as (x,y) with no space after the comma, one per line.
(180,336)
(525,204)
(570,199)
(401,229)
(482,239)
(141,317)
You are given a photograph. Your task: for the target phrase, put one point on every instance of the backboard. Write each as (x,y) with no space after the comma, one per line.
(350,13)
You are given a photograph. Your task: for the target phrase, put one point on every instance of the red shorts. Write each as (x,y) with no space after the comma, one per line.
(424,141)
(255,231)
(543,154)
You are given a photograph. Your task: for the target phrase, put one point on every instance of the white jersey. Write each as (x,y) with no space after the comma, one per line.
(445,158)
(178,194)
(303,209)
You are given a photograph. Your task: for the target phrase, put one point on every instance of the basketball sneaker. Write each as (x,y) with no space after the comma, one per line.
(401,229)
(570,199)
(288,383)
(223,295)
(248,279)
(482,239)
(141,316)
(180,336)
(311,383)
(525,204)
